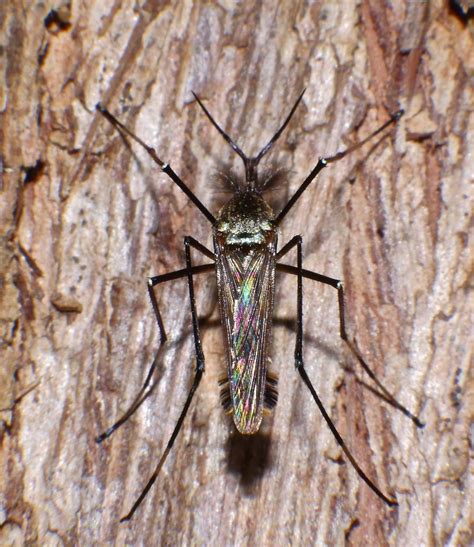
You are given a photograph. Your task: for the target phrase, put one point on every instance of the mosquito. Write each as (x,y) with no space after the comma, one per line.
(245,259)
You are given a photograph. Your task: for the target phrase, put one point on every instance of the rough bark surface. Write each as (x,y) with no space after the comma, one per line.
(85,219)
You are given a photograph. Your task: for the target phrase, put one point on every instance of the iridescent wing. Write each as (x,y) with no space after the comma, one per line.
(246,300)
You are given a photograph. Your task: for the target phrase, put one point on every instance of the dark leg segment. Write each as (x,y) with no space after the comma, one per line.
(141,497)
(337,284)
(144,391)
(165,167)
(188,243)
(296,241)
(323,162)
(200,365)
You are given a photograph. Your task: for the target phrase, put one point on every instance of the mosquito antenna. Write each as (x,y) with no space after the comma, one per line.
(235,148)
(250,163)
(276,136)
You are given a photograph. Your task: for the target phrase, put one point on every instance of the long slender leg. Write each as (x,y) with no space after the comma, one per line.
(337,284)
(165,167)
(144,392)
(323,162)
(188,243)
(200,365)
(296,241)
(141,497)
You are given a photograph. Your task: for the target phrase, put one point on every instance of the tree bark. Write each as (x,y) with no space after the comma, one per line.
(86,217)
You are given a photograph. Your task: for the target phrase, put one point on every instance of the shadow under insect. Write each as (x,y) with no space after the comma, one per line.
(249,457)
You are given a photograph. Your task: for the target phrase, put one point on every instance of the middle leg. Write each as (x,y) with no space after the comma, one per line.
(299,364)
(199,370)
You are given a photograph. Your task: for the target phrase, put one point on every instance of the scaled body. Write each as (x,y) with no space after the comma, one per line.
(245,242)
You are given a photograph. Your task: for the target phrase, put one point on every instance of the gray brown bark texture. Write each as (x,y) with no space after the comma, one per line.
(85,219)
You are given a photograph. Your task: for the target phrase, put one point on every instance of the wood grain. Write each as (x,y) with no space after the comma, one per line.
(85,219)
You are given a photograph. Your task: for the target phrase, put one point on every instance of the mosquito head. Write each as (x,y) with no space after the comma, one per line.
(251,164)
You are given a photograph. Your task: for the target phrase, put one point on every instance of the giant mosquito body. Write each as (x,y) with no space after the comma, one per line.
(245,259)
